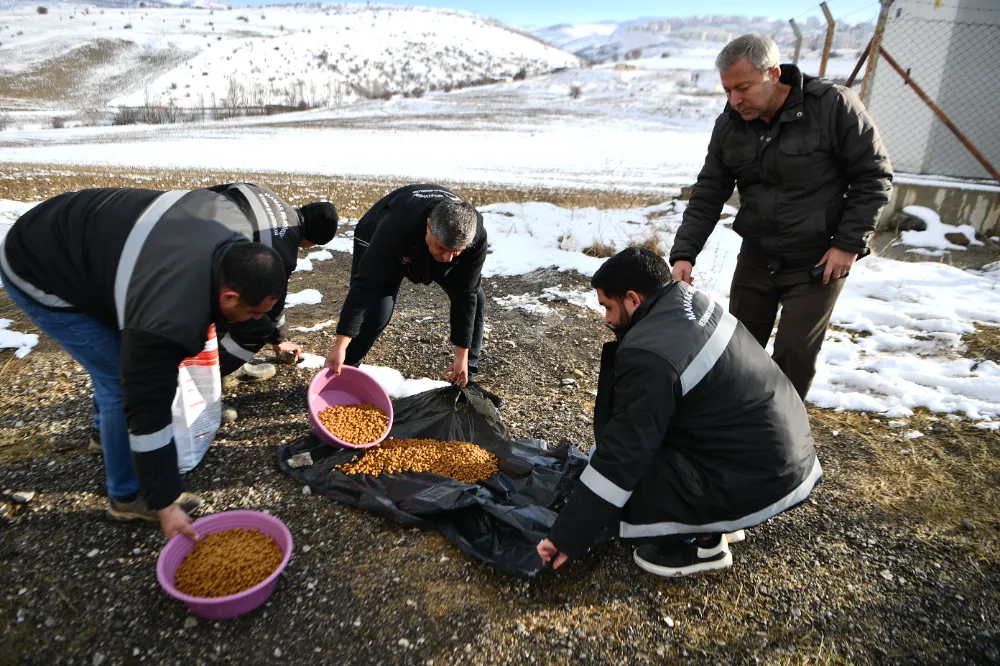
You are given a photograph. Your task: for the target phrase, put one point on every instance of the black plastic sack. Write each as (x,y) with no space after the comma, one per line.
(499,521)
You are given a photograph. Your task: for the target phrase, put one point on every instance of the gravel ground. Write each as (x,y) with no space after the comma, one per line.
(862,573)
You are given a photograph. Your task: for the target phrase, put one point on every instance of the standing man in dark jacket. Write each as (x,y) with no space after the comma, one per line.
(130,283)
(698,434)
(812,175)
(268,219)
(423,233)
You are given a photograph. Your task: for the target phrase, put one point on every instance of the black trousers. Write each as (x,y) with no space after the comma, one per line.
(253,334)
(806,308)
(379,313)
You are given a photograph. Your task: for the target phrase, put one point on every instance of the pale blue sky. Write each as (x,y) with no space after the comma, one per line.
(548,12)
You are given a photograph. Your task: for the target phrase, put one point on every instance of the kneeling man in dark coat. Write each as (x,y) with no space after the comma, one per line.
(698,433)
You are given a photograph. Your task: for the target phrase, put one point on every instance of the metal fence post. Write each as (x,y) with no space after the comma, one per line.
(866,83)
(831,26)
(798,41)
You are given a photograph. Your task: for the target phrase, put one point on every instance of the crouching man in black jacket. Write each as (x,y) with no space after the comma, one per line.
(268,219)
(698,433)
(423,233)
(130,283)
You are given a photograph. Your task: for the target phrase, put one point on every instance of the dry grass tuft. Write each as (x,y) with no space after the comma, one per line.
(949,475)
(984,343)
(600,249)
(652,242)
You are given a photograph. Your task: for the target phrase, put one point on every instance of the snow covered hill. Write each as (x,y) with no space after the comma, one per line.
(85,56)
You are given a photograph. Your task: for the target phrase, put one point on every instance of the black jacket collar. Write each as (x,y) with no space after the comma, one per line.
(643,310)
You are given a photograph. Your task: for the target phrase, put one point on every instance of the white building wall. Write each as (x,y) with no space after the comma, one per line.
(932,45)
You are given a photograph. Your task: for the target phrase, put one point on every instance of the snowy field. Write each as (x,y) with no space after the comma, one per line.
(628,131)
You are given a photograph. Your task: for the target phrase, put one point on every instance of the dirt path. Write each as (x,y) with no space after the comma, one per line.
(893,560)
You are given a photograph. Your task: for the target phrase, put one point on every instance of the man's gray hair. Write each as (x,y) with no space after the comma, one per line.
(761,51)
(454,223)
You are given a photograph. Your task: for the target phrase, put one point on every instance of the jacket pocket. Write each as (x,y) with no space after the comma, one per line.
(799,160)
(738,156)
(798,144)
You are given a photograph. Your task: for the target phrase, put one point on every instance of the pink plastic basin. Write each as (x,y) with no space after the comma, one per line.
(351,387)
(222,608)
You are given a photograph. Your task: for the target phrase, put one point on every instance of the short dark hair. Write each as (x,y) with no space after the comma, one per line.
(254,271)
(319,222)
(633,269)
(454,223)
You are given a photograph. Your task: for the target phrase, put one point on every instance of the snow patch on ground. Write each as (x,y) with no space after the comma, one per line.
(319,255)
(317,327)
(304,297)
(310,361)
(934,236)
(22,342)
(396,386)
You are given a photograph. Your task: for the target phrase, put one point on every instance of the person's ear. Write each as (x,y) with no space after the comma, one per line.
(775,74)
(633,299)
(228,297)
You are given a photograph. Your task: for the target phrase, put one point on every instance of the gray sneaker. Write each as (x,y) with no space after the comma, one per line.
(94,444)
(137,509)
(255,373)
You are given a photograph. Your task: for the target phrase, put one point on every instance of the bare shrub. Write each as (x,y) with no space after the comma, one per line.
(600,249)
(127,115)
(128,26)
(58,123)
(42,10)
(521,75)
(575,91)
(652,242)
(4,120)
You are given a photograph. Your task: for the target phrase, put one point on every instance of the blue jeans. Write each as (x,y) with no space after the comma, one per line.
(98,348)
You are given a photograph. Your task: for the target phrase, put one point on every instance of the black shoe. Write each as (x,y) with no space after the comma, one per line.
(684,558)
(497,401)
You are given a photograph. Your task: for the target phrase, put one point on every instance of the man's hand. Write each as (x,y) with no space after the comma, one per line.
(547,551)
(287,348)
(683,270)
(458,372)
(335,359)
(173,521)
(838,263)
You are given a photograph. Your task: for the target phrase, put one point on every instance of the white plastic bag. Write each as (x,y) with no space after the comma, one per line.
(197,408)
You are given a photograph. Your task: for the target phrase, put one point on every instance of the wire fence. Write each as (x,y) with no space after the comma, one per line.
(953,63)
(803,41)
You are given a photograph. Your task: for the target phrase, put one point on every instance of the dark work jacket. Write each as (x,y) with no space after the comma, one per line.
(819,177)
(146,263)
(394,231)
(697,431)
(267,219)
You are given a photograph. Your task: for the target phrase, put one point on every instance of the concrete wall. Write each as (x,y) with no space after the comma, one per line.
(950,52)
(958,204)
